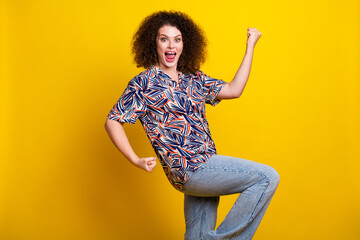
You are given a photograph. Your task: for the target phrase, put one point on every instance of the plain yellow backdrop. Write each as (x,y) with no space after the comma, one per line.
(65,63)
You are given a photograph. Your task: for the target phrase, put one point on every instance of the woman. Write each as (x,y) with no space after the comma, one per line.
(169,99)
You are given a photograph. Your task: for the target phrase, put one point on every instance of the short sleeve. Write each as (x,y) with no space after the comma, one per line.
(211,88)
(131,105)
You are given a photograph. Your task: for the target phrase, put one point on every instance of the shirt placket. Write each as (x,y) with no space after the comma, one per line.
(206,130)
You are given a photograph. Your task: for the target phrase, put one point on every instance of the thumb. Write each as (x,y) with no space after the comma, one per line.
(149,160)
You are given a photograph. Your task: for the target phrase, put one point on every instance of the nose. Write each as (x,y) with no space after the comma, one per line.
(171,44)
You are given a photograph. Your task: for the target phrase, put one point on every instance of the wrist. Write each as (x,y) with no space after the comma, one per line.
(250,48)
(134,159)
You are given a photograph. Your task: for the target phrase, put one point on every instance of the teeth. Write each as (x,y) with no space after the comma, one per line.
(170,53)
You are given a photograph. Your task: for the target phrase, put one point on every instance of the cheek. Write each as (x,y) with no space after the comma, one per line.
(181,48)
(159,47)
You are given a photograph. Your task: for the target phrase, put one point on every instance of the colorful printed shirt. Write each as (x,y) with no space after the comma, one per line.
(173,117)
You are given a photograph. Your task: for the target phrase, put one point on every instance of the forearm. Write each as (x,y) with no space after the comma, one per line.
(235,88)
(118,137)
(241,77)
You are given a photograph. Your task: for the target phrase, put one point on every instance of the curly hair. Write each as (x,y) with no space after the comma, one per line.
(144,41)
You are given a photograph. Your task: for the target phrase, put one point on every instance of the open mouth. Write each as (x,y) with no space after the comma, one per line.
(170,56)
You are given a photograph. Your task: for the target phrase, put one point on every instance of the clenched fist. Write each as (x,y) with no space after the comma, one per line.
(147,164)
(253,36)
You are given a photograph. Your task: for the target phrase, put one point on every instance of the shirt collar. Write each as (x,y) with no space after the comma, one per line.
(158,71)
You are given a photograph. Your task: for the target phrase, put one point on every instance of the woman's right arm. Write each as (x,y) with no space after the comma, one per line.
(118,137)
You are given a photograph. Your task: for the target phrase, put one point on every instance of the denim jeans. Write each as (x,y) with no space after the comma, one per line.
(223,175)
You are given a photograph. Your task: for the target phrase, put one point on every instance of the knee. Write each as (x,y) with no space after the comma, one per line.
(273,176)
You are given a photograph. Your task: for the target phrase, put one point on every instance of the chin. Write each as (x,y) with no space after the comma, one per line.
(170,65)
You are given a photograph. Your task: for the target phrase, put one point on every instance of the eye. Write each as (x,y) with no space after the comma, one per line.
(163,39)
(178,40)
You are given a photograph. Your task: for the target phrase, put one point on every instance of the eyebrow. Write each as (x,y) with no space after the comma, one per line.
(168,36)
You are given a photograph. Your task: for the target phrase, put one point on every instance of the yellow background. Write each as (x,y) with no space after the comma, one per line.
(65,63)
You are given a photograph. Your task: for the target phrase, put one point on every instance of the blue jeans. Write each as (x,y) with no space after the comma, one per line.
(223,175)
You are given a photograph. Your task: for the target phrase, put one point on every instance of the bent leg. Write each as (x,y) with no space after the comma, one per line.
(223,175)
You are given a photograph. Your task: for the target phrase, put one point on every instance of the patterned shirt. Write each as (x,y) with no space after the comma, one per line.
(173,117)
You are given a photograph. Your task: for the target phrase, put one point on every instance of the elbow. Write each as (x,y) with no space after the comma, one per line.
(230,92)
(107,124)
(236,94)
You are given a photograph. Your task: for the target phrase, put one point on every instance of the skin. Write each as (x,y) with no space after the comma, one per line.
(235,88)
(169,39)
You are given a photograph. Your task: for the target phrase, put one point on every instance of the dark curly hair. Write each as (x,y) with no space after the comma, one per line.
(144,41)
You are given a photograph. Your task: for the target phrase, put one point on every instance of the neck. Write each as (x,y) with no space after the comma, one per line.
(172,72)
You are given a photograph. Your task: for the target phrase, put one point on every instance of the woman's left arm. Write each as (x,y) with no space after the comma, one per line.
(235,88)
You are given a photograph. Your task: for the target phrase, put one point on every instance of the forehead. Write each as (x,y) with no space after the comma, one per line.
(169,31)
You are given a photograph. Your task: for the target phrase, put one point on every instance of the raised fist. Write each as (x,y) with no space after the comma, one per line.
(253,36)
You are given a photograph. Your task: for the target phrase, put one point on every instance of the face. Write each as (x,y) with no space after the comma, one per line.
(169,46)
